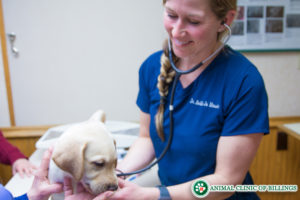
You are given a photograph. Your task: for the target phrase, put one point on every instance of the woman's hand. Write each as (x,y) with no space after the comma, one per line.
(81,193)
(129,191)
(23,167)
(41,188)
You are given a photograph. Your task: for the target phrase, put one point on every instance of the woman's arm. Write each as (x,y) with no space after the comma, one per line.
(234,157)
(141,153)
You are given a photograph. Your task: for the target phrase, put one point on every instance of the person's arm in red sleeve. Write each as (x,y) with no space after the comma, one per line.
(11,155)
(8,153)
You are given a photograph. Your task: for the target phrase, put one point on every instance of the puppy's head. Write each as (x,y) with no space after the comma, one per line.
(87,151)
(99,174)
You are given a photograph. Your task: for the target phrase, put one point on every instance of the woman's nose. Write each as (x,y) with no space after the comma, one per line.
(178,29)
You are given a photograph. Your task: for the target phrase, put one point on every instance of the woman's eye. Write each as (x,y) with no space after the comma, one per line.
(194,22)
(172,16)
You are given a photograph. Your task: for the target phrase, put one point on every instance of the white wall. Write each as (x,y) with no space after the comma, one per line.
(77,56)
(4,112)
(281,73)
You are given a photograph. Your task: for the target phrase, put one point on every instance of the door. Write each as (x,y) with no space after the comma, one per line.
(76,56)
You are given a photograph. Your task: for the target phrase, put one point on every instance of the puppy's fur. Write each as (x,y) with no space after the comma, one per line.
(87,153)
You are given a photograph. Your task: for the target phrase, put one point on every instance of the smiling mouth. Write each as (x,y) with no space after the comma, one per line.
(180,43)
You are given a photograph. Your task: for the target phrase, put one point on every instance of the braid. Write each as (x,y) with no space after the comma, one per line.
(164,79)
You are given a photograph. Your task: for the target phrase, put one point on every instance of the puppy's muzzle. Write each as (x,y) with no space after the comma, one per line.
(96,189)
(111,187)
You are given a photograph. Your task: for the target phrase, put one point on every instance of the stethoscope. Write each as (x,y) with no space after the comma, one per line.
(178,73)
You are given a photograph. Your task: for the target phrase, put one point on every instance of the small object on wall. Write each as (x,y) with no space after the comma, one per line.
(12,38)
(282,141)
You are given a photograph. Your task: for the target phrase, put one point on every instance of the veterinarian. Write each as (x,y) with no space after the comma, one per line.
(41,189)
(220,109)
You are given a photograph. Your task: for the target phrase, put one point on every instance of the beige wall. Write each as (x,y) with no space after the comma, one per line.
(281,73)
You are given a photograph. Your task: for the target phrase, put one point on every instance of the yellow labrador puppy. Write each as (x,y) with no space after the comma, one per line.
(86,152)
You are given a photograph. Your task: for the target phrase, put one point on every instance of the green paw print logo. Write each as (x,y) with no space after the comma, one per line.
(200,188)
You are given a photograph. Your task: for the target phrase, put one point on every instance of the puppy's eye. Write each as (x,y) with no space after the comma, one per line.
(99,164)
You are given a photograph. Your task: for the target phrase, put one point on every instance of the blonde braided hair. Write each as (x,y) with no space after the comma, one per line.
(164,79)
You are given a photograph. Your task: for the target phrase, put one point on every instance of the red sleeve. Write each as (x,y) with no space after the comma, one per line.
(8,153)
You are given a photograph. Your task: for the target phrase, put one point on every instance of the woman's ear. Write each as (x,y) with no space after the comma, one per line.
(230,16)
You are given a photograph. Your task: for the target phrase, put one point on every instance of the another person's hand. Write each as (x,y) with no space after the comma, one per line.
(41,188)
(129,191)
(23,167)
(81,193)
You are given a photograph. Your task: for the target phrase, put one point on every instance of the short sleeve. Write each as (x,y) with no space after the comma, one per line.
(148,74)
(143,100)
(248,111)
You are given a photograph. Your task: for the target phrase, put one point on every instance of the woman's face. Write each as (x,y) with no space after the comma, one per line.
(192,27)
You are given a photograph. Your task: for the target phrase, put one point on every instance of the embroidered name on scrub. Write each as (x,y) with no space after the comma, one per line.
(204,104)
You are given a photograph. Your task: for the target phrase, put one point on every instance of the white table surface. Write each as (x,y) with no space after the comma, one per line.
(294,127)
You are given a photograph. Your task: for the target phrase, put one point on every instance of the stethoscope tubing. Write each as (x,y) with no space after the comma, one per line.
(171,106)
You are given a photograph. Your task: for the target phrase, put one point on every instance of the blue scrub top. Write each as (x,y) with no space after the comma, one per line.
(228,98)
(6,195)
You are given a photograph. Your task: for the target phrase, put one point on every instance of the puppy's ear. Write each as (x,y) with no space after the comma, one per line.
(115,143)
(98,116)
(70,157)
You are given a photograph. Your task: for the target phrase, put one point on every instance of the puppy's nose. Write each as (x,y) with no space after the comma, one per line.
(111,187)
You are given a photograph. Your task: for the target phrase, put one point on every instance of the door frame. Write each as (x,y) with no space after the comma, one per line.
(6,68)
